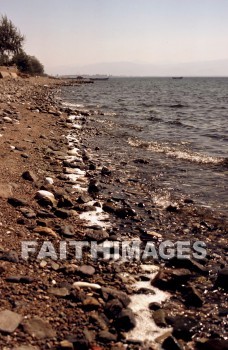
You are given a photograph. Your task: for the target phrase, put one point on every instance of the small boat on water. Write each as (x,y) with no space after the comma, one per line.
(177,77)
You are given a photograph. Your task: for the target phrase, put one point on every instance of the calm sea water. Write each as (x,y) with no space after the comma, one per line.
(180,125)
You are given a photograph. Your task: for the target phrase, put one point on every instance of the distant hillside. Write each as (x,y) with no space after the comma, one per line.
(208,68)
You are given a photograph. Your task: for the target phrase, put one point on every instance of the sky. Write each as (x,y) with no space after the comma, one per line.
(132,37)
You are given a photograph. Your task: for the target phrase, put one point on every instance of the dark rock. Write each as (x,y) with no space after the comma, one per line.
(183,326)
(171,343)
(171,279)
(45,214)
(29,175)
(9,256)
(172,208)
(97,235)
(16,202)
(65,202)
(140,161)
(111,293)
(106,336)
(20,279)
(98,319)
(125,320)
(212,344)
(113,308)
(94,187)
(193,297)
(222,279)
(79,343)
(84,199)
(109,207)
(125,212)
(62,213)
(188,263)
(67,231)
(105,171)
(159,318)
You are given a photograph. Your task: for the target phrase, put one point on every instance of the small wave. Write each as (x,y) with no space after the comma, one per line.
(155,119)
(75,105)
(177,105)
(174,152)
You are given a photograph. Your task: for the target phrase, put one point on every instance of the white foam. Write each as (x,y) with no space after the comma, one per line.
(146,330)
(73,152)
(76,126)
(95,217)
(174,153)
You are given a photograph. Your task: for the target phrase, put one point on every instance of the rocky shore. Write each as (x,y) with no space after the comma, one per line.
(58,186)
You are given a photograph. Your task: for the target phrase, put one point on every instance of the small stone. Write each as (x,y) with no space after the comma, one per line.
(125,212)
(171,343)
(87,270)
(45,231)
(29,175)
(111,293)
(59,292)
(183,326)
(39,328)
(66,345)
(45,198)
(91,303)
(159,318)
(113,308)
(212,344)
(62,213)
(28,213)
(16,202)
(125,320)
(9,256)
(193,297)
(67,231)
(222,279)
(106,336)
(20,279)
(9,321)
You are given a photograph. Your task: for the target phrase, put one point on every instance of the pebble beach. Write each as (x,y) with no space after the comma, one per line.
(57,186)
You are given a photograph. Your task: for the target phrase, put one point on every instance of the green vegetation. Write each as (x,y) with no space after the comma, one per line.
(11,49)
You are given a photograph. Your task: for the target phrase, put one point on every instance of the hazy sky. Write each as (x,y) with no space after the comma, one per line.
(67,34)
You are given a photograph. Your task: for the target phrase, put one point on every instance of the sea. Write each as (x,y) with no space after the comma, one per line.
(174,131)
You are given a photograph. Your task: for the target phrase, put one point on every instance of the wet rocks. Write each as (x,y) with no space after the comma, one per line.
(9,321)
(222,279)
(171,279)
(106,336)
(212,344)
(125,321)
(183,326)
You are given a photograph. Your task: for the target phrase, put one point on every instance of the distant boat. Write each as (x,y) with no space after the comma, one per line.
(177,77)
